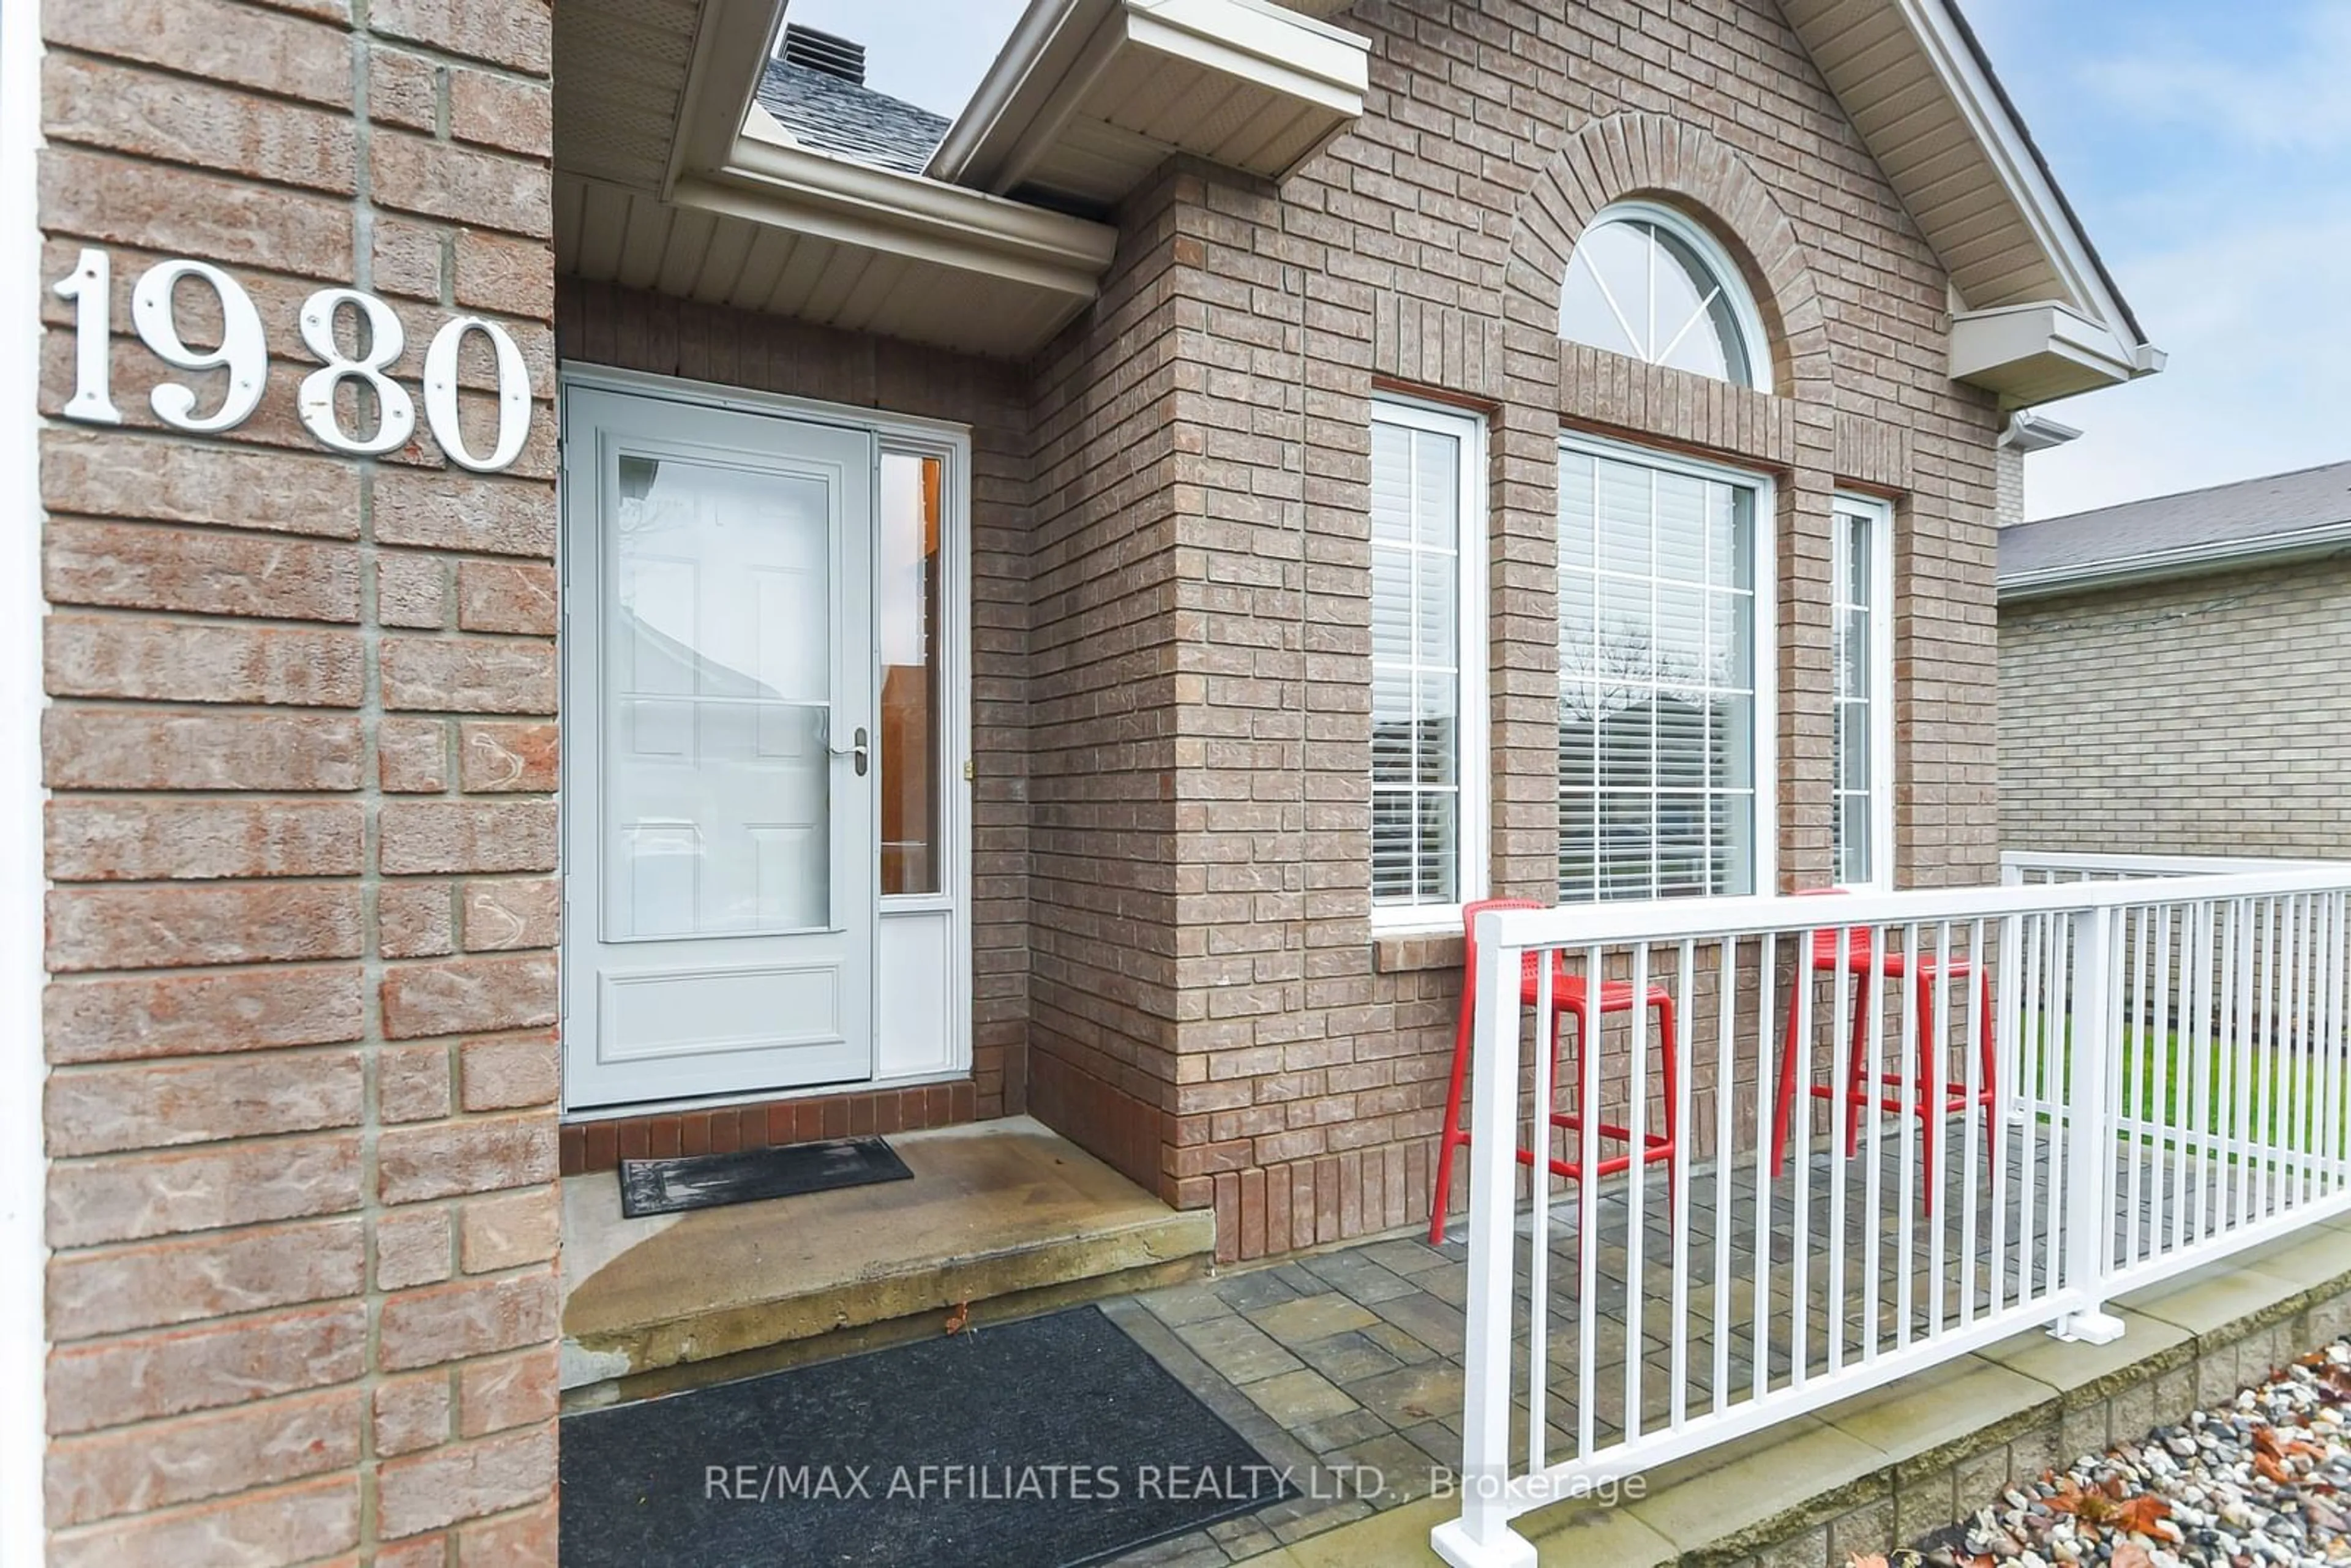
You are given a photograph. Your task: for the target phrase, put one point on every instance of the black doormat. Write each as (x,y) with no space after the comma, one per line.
(1042,1444)
(706,1181)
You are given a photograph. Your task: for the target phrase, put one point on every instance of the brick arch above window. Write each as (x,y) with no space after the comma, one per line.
(1629,155)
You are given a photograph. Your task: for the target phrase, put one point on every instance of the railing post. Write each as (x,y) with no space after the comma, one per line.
(1481,1537)
(2096,1047)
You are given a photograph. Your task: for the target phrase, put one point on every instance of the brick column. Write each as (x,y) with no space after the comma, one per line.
(303,752)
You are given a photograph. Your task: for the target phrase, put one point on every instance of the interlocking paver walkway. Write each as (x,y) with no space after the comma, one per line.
(1339,1361)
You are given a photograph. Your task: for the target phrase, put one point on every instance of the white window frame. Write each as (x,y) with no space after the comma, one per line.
(1763,568)
(1473,766)
(1728,277)
(1879,513)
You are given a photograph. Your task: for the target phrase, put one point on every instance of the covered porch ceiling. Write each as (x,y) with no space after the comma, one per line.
(669,176)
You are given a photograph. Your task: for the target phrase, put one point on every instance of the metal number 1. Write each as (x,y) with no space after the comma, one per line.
(90,287)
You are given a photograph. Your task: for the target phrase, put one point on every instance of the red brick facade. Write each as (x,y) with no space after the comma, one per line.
(303,756)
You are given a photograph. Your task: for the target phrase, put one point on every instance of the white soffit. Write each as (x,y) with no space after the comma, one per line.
(621,69)
(1089,96)
(669,178)
(1916,86)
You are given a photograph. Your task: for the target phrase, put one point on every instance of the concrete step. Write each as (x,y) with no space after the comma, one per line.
(1006,1216)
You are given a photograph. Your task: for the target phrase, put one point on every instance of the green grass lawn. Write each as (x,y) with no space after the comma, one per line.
(2277,1092)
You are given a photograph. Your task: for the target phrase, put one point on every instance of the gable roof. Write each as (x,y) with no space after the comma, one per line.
(2041,316)
(832,114)
(2277,515)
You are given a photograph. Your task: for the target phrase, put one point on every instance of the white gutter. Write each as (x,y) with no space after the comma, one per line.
(768,179)
(2029,431)
(23,1165)
(733,42)
(2183,560)
(1035,60)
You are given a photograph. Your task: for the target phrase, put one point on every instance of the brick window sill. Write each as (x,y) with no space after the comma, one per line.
(1411,952)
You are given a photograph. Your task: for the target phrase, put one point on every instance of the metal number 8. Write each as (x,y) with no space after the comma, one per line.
(386,341)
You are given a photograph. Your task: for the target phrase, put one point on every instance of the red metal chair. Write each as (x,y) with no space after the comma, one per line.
(1857,960)
(1568,997)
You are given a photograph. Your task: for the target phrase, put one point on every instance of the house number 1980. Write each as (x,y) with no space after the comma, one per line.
(243,352)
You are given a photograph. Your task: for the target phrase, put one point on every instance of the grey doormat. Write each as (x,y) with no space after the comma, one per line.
(1044,1444)
(706,1181)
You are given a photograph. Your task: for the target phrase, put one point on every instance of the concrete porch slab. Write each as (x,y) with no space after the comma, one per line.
(998,1210)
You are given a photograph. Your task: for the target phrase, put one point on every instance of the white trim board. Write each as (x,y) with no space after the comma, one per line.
(23,1167)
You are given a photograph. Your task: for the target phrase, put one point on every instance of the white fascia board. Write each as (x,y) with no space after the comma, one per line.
(2186,560)
(1985,345)
(1281,51)
(733,42)
(1062,49)
(769,181)
(1995,130)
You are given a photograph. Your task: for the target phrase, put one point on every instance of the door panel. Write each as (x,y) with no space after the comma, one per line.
(720,878)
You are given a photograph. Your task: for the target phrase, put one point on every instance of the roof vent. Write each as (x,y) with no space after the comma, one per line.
(824,52)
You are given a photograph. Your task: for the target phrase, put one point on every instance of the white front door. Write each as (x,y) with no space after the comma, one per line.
(718,824)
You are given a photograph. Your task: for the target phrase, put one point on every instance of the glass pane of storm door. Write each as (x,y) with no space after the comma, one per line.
(907,593)
(718,686)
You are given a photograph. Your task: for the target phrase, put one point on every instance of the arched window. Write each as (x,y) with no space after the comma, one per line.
(1648,282)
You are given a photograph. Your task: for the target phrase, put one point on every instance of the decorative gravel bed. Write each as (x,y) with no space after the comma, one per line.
(2259,1481)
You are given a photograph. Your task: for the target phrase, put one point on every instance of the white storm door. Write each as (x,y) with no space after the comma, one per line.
(718,827)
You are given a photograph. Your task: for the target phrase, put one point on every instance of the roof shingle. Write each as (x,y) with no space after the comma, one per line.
(2248,512)
(831,114)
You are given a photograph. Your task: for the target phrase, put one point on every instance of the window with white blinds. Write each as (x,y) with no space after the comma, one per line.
(1862,632)
(1662,732)
(1428,765)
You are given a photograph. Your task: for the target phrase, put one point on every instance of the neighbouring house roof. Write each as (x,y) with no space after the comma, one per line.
(833,115)
(2275,516)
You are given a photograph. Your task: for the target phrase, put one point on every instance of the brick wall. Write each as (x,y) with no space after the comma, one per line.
(2012,487)
(2225,740)
(1114,456)
(1424,250)
(303,755)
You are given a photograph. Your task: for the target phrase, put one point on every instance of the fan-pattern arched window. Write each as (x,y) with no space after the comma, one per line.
(1646,281)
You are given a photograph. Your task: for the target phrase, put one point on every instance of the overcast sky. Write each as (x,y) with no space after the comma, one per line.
(2207,147)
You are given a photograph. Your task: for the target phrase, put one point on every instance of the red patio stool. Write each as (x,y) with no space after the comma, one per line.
(1855,946)
(1569,997)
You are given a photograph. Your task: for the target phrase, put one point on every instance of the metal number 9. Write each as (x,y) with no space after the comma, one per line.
(242,349)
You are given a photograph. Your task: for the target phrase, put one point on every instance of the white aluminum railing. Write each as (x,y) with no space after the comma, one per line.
(2025,867)
(2167,1080)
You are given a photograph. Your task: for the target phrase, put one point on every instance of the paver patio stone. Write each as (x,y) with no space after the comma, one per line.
(1333,1433)
(1238,1349)
(1311,1318)
(1345,1357)
(1411,1394)
(1359,1276)
(1297,1398)
(1256,1288)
